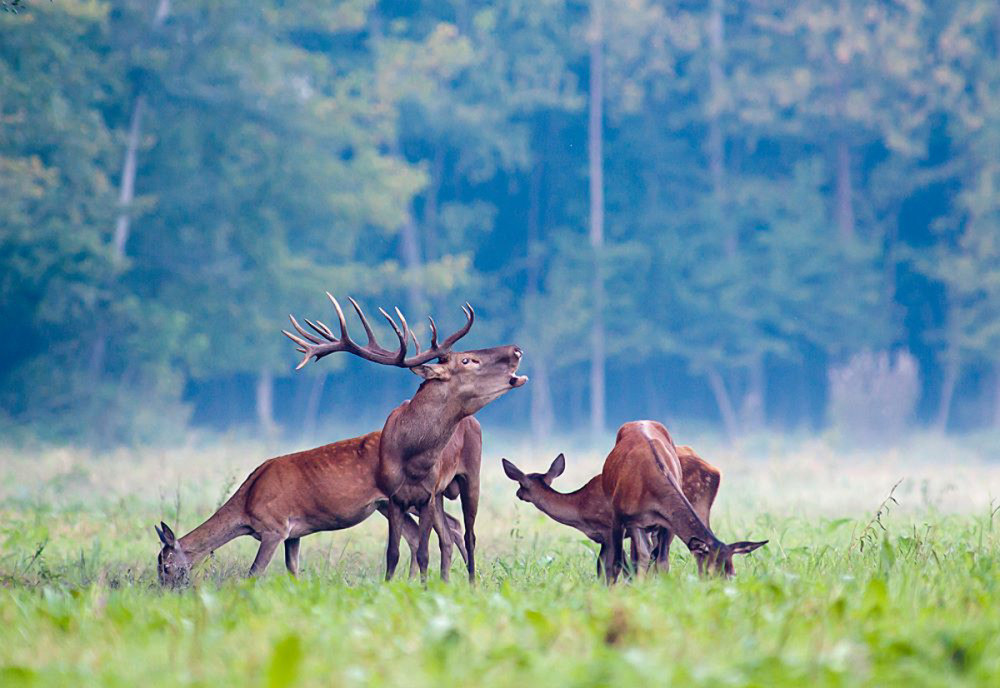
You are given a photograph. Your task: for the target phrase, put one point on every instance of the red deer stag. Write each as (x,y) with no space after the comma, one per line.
(642,478)
(285,498)
(588,509)
(455,387)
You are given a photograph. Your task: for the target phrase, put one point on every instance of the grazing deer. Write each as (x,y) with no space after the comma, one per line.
(285,498)
(588,509)
(455,387)
(642,478)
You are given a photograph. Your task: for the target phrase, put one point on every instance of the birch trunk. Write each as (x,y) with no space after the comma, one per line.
(595,145)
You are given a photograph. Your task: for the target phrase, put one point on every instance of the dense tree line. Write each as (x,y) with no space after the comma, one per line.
(678,209)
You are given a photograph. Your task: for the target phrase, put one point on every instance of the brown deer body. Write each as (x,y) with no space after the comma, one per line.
(415,434)
(642,477)
(589,510)
(285,498)
(458,469)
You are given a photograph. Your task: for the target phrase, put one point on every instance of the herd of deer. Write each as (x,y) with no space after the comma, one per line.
(431,448)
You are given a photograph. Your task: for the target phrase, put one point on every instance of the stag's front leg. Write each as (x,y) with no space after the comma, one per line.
(428,513)
(444,538)
(394,514)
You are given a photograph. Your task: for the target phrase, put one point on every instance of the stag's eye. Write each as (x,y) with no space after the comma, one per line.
(465,361)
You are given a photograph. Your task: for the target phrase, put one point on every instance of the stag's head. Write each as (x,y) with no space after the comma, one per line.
(716,558)
(473,378)
(172,565)
(532,486)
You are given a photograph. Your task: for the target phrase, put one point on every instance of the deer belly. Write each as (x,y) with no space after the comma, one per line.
(325,519)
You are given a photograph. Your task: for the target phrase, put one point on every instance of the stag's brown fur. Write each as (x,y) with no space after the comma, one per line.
(642,476)
(414,436)
(457,468)
(285,498)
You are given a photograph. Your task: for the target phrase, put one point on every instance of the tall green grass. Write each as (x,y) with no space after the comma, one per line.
(839,597)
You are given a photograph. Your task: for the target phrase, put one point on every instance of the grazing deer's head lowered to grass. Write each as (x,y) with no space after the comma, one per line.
(588,509)
(173,566)
(642,477)
(454,387)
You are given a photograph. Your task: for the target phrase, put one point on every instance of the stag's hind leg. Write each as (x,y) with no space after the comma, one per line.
(428,515)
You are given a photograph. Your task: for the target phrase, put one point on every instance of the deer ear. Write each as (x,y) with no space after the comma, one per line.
(512,471)
(432,371)
(556,469)
(699,547)
(167,536)
(746,547)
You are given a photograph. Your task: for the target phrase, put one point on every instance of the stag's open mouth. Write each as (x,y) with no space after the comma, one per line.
(517,380)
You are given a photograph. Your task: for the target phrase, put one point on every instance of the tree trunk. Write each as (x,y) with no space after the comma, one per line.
(265,404)
(996,396)
(311,414)
(752,408)
(409,247)
(126,194)
(716,139)
(595,145)
(542,416)
(724,403)
(951,370)
(845,194)
(429,226)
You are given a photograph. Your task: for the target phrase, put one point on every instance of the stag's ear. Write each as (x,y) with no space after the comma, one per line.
(432,371)
(746,546)
(699,547)
(512,471)
(556,469)
(167,536)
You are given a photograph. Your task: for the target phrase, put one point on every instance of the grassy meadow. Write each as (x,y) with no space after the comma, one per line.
(853,589)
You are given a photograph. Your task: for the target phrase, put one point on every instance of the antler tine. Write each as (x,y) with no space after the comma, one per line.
(438,350)
(340,316)
(402,320)
(324,331)
(313,347)
(400,355)
(302,348)
(470,317)
(302,331)
(301,345)
(372,342)
(434,333)
(321,326)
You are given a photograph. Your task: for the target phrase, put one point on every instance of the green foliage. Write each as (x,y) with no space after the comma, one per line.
(755,181)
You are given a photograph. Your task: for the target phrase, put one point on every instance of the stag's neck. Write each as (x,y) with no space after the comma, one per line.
(221,527)
(429,419)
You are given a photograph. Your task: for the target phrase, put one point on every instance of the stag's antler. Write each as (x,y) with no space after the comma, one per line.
(326,343)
